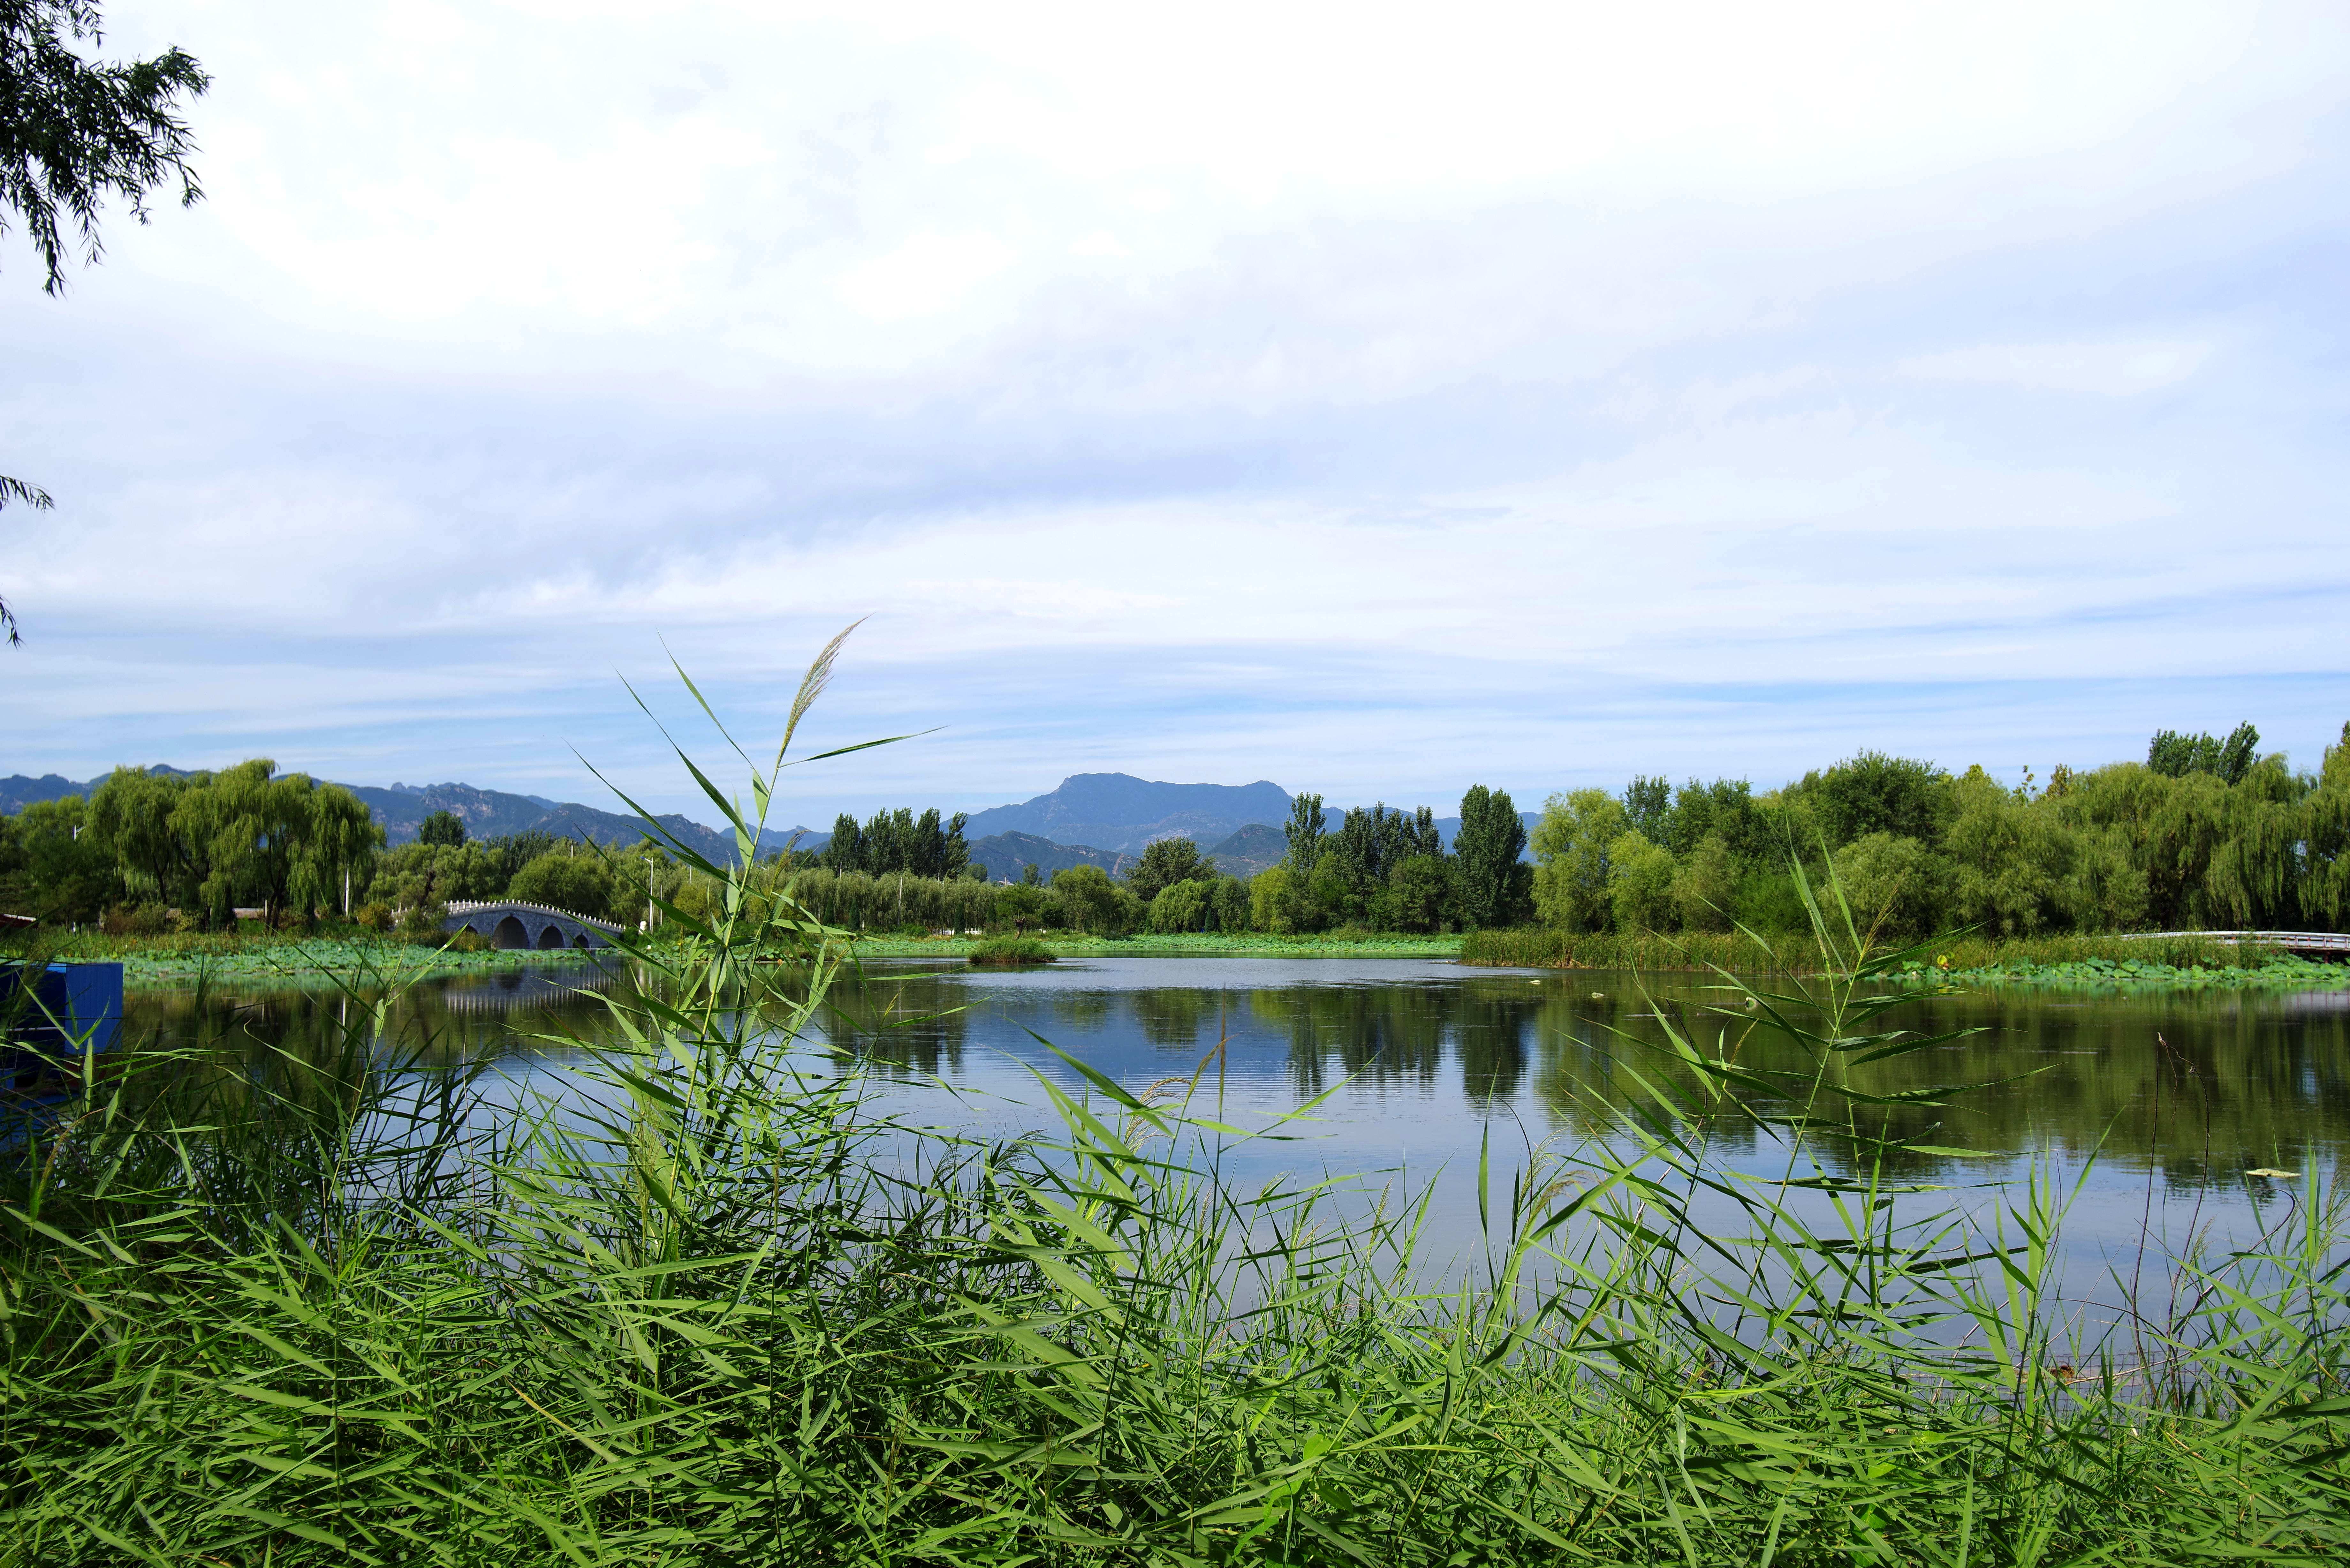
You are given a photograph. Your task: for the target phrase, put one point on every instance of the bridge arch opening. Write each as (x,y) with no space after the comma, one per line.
(510,934)
(550,938)
(582,942)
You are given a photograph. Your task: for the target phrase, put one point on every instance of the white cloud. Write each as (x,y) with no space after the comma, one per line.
(927,273)
(2113,370)
(1513,378)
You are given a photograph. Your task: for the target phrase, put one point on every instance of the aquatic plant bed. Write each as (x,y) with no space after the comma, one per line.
(177,961)
(2161,960)
(1010,951)
(1186,945)
(2296,973)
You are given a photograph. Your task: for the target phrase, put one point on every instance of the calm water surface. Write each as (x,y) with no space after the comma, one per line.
(2176,1097)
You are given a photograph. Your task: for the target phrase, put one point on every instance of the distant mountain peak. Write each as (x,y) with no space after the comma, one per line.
(1121,813)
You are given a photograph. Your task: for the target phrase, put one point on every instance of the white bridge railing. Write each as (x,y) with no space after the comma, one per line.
(2299,941)
(476,906)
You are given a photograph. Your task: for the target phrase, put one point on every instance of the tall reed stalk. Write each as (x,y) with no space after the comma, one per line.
(704,1306)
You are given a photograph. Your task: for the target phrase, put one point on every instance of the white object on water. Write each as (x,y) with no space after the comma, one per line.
(2278,1175)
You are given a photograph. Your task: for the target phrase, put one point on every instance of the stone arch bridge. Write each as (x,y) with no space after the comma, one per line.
(509,923)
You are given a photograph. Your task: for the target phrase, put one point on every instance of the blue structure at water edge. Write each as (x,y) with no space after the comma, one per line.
(67,1015)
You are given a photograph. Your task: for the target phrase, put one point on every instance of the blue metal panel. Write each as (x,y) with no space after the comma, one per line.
(74,1009)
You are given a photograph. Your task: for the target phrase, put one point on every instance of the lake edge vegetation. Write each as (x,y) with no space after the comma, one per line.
(2206,832)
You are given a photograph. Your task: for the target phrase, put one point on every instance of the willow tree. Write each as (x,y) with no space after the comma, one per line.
(135,816)
(73,133)
(283,842)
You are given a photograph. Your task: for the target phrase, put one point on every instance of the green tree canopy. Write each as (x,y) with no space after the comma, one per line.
(1486,851)
(2175,756)
(577,880)
(441,827)
(1167,861)
(1573,846)
(1304,831)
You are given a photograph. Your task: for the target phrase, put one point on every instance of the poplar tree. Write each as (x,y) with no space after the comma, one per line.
(845,850)
(1304,831)
(1487,848)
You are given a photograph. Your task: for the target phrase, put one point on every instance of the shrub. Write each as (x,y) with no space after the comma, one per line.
(1011,951)
(137,920)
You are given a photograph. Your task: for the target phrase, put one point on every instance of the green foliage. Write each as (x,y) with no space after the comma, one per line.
(1648,808)
(442,827)
(1640,883)
(1898,889)
(898,843)
(1166,861)
(1268,900)
(1571,846)
(1705,884)
(1490,884)
(53,868)
(1371,844)
(1304,831)
(1010,952)
(1181,907)
(1094,904)
(75,132)
(2175,756)
(1873,793)
(1419,894)
(244,836)
(578,880)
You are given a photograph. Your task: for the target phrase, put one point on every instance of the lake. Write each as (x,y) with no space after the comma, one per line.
(2157,1104)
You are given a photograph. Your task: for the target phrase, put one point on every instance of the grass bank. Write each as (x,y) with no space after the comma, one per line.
(2163,960)
(1186,944)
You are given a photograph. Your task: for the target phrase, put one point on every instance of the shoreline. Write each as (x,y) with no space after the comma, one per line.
(173,962)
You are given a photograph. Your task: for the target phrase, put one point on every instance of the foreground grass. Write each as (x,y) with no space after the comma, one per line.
(304,1311)
(320,1308)
(2158,960)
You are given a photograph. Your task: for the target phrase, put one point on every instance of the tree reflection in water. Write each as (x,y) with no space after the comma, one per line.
(2197,1087)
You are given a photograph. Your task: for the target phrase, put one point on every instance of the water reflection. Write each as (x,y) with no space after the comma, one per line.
(2199,1088)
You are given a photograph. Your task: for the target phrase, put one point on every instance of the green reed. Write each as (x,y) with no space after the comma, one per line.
(313,1305)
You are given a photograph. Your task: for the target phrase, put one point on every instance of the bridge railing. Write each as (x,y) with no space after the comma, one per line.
(2302,942)
(478,906)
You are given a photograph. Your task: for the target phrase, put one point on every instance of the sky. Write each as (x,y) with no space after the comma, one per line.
(1375,400)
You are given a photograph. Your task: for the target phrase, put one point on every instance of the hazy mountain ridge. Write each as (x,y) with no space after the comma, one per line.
(1121,813)
(1004,854)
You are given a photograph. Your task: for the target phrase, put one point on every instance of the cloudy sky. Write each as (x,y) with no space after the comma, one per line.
(1373,399)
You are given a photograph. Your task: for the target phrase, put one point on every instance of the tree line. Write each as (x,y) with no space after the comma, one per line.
(2206,833)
